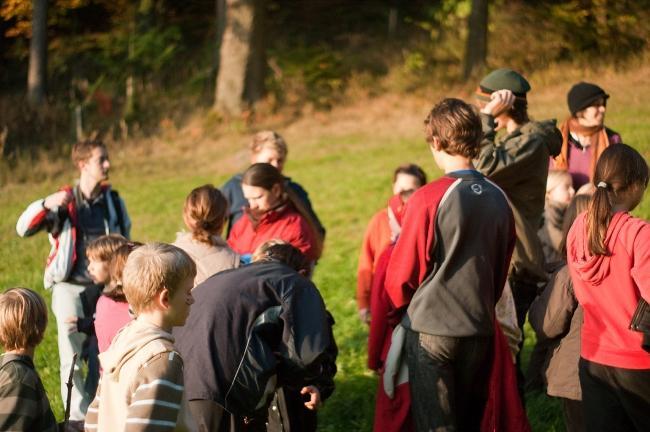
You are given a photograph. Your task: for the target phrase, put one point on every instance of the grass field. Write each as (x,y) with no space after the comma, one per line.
(344,159)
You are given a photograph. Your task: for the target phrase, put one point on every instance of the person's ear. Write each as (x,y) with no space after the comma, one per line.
(434,144)
(163,298)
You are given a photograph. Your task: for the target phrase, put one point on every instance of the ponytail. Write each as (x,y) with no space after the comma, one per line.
(619,171)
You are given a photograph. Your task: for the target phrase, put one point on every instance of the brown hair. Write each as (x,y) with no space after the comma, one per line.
(114,288)
(205,212)
(457,126)
(23,318)
(152,268)
(619,170)
(270,139)
(281,251)
(578,204)
(412,170)
(266,176)
(82,150)
(102,248)
(519,111)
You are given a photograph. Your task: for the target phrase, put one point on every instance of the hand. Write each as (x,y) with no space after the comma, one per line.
(72,324)
(500,102)
(314,401)
(364,315)
(57,199)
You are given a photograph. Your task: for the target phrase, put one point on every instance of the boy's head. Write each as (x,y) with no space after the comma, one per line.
(559,187)
(159,276)
(91,158)
(269,147)
(454,127)
(23,319)
(99,253)
(506,79)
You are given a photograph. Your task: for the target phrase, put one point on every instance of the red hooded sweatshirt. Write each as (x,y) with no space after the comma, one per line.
(609,288)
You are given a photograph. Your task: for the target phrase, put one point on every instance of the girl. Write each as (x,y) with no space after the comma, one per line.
(274,212)
(559,192)
(608,253)
(204,215)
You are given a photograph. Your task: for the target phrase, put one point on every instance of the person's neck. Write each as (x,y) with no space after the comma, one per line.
(512,126)
(156,318)
(457,163)
(29,352)
(89,188)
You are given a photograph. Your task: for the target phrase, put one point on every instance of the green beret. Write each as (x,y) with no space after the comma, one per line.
(505,79)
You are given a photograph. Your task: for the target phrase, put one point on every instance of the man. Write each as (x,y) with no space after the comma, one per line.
(251,332)
(73,217)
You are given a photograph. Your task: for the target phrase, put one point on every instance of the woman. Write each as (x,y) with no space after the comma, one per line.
(274,212)
(204,215)
(584,135)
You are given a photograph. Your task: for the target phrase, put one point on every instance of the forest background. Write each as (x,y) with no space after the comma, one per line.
(177,88)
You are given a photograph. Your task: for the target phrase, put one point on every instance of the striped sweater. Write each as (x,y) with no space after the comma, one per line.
(142,386)
(23,402)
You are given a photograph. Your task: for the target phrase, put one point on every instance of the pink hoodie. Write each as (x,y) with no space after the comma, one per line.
(609,289)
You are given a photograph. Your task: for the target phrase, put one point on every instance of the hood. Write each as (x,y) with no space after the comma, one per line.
(550,133)
(126,344)
(592,269)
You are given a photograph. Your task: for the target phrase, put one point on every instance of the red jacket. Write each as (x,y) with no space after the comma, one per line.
(609,288)
(284,223)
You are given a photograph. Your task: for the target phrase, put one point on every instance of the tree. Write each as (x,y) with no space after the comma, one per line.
(36,77)
(477,34)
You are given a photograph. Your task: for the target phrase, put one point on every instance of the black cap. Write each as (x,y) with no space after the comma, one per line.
(583,95)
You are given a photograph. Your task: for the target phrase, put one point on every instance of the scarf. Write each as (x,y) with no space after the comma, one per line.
(598,140)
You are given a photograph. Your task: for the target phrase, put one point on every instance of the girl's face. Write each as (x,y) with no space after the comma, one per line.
(98,271)
(261,200)
(562,193)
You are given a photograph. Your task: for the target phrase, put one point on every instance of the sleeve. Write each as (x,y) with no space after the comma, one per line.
(641,266)
(92,415)
(126,220)
(551,312)
(365,267)
(301,236)
(18,402)
(33,219)
(157,395)
(411,260)
(380,307)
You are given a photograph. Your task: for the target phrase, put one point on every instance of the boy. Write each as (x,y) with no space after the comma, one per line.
(447,272)
(23,403)
(73,217)
(142,385)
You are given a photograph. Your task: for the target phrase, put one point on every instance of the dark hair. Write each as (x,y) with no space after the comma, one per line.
(281,251)
(578,204)
(205,212)
(82,150)
(412,170)
(519,111)
(113,288)
(457,126)
(266,176)
(619,169)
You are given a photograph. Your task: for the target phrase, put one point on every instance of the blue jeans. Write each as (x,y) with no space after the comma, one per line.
(449,379)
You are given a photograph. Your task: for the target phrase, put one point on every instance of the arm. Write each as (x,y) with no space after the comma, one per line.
(126,221)
(43,213)
(641,266)
(365,268)
(380,308)
(551,313)
(157,395)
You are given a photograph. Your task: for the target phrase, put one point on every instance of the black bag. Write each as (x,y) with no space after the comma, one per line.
(641,323)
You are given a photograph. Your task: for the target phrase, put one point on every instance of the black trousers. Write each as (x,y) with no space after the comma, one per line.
(614,399)
(449,379)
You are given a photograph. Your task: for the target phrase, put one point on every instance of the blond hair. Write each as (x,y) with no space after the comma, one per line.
(104,247)
(23,318)
(152,268)
(271,140)
(555,178)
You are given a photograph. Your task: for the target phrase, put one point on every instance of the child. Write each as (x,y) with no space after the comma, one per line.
(204,215)
(559,192)
(142,384)
(112,308)
(23,401)
(608,253)
(446,274)
(556,318)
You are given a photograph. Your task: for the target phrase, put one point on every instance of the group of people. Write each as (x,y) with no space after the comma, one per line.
(215,333)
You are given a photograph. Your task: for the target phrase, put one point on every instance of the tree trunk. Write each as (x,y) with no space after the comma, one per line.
(37,75)
(256,70)
(234,56)
(477,34)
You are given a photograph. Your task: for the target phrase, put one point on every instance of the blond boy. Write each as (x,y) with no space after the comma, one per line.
(142,385)
(23,402)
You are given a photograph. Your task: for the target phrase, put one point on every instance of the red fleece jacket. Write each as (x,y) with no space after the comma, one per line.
(609,288)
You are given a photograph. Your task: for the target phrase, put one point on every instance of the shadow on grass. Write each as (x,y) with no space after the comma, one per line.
(351,407)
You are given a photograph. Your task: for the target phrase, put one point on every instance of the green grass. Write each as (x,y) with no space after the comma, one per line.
(345,162)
